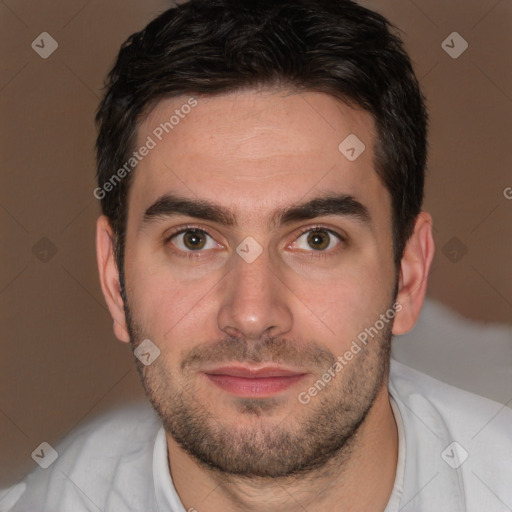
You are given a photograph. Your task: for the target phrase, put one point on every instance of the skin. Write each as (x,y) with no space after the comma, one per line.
(253,152)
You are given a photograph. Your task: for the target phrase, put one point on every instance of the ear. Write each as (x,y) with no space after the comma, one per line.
(109,277)
(413,279)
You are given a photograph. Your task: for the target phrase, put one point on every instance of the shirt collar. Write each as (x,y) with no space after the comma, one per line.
(429,482)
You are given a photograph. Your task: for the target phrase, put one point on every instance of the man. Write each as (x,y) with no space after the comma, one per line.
(260,171)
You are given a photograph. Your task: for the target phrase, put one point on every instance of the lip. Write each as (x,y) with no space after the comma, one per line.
(249,372)
(256,382)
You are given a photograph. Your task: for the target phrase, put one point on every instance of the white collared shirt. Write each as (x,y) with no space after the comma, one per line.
(455,455)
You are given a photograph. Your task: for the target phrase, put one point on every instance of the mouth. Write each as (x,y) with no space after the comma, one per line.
(254,382)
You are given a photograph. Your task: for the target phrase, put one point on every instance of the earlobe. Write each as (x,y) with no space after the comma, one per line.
(414,271)
(109,277)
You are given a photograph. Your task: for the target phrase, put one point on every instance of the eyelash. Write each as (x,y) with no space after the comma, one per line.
(322,254)
(198,254)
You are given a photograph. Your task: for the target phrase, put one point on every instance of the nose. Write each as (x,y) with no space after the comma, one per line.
(255,302)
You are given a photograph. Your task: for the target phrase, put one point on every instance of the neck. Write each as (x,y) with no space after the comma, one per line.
(358,479)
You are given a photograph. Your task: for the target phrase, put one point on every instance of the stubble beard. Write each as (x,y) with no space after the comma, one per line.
(323,432)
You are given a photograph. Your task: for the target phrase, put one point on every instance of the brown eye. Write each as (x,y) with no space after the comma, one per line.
(318,240)
(194,239)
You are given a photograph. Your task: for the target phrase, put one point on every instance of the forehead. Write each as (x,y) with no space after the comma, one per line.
(254,150)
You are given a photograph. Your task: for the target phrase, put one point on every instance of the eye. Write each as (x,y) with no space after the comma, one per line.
(192,240)
(318,239)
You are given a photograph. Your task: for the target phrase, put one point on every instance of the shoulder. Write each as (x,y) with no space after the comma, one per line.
(452,431)
(459,408)
(90,460)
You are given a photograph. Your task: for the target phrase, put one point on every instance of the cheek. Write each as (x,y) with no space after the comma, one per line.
(343,306)
(169,308)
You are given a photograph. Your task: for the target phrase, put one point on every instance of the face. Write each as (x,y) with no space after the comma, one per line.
(257,256)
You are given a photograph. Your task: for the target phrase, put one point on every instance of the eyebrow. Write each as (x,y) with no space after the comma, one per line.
(343,205)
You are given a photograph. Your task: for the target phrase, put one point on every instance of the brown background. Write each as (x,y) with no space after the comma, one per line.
(60,362)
